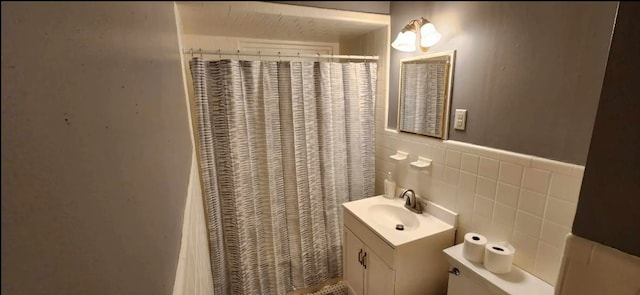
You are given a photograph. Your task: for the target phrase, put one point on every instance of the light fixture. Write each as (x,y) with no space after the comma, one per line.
(406,40)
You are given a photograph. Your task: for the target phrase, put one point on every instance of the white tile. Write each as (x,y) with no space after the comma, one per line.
(554,234)
(438,154)
(468,182)
(485,151)
(470,163)
(578,171)
(448,197)
(507,194)
(500,233)
(465,218)
(536,180)
(413,180)
(565,187)
(488,168)
(481,224)
(515,158)
(436,194)
(437,171)
(526,251)
(466,201)
(434,142)
(551,165)
(458,145)
(414,150)
(486,188)
(483,207)
(528,224)
(561,212)
(451,175)
(547,264)
(454,158)
(510,173)
(472,149)
(504,215)
(532,202)
(460,232)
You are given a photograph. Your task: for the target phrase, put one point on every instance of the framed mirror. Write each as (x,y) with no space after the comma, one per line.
(425,94)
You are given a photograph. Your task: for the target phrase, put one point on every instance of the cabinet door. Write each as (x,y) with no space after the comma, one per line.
(463,285)
(379,277)
(353,270)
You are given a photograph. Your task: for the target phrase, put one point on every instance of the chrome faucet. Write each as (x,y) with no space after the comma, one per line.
(411,202)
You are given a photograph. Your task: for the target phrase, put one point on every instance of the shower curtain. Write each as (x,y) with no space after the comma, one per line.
(282,145)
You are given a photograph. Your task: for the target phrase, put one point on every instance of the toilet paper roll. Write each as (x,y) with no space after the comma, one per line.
(498,257)
(473,247)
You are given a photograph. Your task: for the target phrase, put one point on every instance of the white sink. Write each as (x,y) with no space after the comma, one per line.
(382,215)
(392,216)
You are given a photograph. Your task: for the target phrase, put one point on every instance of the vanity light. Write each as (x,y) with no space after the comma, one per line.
(406,40)
(430,36)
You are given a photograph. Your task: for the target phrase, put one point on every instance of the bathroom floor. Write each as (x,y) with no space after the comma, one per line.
(339,288)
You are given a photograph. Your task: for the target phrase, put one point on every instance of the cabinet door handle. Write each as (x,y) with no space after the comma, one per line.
(364,262)
(360,257)
(455,271)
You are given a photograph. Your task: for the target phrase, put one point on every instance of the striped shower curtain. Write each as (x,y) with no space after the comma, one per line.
(282,145)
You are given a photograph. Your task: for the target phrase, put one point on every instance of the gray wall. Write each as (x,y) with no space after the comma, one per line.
(379,7)
(610,197)
(95,148)
(528,73)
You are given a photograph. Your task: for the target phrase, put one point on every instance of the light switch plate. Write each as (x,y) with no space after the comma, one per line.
(460,120)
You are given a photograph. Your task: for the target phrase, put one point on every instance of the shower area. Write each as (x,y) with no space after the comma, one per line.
(284,102)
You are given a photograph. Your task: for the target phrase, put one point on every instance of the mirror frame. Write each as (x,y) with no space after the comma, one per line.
(448,88)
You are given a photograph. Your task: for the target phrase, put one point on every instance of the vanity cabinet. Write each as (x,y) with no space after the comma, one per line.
(374,265)
(364,271)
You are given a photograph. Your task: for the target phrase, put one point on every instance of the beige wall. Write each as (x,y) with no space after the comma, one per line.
(381,7)
(528,73)
(95,148)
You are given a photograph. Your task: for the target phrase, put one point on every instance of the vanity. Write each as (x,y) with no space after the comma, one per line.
(391,250)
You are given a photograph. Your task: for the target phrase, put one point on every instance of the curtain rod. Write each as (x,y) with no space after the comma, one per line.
(258,53)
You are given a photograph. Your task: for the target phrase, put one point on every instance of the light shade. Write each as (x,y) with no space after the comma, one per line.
(429,35)
(406,41)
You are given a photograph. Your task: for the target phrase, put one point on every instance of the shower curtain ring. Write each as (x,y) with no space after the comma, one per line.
(219,54)
(191,51)
(318,54)
(260,55)
(279,57)
(200,50)
(238,54)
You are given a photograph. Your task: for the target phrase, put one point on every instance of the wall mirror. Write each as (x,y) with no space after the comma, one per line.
(425,94)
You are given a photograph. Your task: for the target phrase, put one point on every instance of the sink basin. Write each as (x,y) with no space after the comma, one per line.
(391,216)
(382,215)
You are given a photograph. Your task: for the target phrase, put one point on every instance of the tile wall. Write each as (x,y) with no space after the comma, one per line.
(525,200)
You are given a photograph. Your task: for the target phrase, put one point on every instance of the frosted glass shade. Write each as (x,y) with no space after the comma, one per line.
(429,36)
(406,41)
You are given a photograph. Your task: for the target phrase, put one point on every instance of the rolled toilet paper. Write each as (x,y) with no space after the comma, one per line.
(473,247)
(498,257)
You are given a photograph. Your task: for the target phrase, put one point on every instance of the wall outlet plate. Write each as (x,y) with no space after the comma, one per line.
(460,120)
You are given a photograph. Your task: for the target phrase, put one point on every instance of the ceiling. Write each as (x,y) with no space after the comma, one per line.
(250,19)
